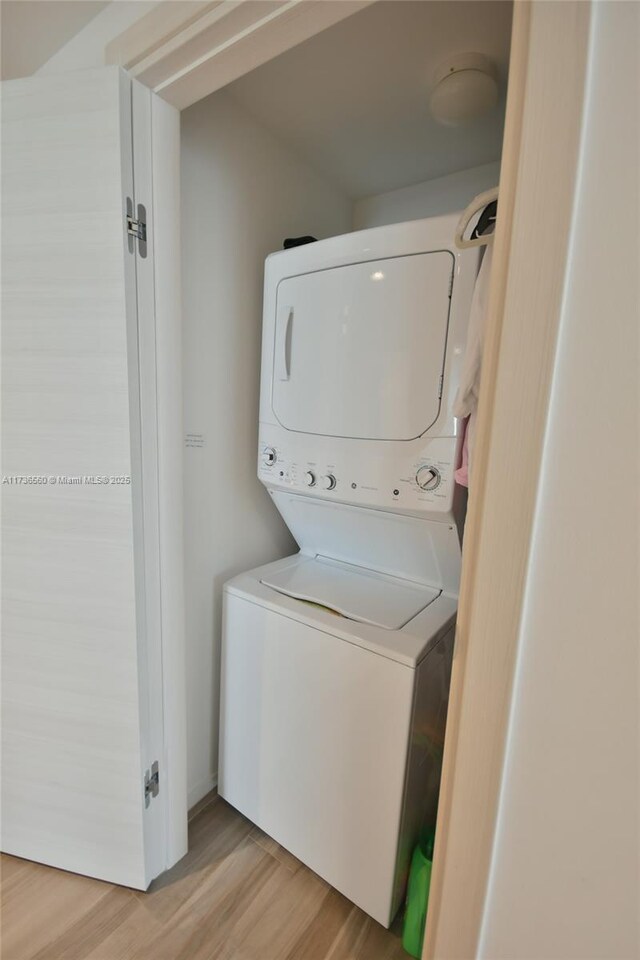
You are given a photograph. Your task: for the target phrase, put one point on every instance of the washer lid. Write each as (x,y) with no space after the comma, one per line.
(354,592)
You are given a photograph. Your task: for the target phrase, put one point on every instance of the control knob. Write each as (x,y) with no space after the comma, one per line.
(310,478)
(427,478)
(329,482)
(268,456)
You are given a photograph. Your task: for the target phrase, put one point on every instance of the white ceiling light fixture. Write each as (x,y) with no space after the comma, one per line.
(465,88)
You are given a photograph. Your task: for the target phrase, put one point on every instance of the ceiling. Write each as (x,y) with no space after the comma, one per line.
(33,30)
(353,100)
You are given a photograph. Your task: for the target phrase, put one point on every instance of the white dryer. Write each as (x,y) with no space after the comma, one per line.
(336,662)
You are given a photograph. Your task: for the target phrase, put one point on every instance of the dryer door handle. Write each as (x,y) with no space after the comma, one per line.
(283,346)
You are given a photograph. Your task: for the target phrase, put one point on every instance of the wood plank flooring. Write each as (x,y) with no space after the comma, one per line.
(237,895)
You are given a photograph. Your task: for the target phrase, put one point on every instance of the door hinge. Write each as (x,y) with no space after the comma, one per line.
(440,386)
(450,286)
(151,783)
(136,227)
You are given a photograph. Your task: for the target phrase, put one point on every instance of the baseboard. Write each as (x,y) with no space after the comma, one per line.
(197,793)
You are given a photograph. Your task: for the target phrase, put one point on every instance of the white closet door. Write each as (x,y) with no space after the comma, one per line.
(81,648)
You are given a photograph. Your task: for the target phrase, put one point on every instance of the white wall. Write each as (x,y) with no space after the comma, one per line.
(564,880)
(242,193)
(427,199)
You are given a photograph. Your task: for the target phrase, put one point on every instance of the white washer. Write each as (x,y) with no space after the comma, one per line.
(336,662)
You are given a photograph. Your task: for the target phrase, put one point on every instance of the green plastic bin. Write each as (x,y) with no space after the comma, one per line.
(415,916)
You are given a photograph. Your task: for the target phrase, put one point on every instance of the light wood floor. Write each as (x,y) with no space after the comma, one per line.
(237,895)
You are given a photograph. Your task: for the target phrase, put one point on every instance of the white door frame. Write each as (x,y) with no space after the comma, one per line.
(184,59)
(547,83)
(186,54)
(155,129)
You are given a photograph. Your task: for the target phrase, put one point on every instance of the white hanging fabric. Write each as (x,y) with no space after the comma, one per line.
(466,400)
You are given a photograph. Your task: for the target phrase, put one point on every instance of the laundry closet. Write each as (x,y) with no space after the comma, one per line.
(333,136)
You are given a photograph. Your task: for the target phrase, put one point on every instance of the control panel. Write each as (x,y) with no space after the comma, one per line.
(413,477)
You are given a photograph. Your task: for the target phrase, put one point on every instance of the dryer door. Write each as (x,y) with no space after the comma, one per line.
(359,349)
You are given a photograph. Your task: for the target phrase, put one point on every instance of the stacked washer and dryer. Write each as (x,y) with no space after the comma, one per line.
(336,662)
